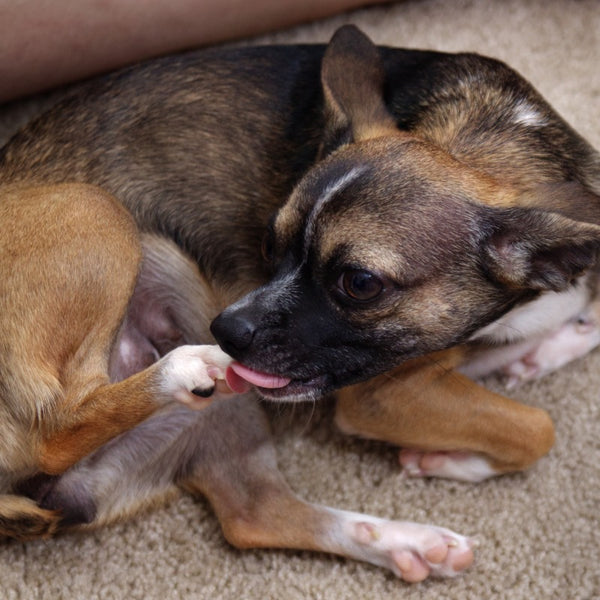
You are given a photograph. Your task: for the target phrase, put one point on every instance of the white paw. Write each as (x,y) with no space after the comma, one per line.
(192,374)
(411,550)
(573,340)
(462,466)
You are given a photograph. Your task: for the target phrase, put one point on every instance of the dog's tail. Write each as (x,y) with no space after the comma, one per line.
(22,519)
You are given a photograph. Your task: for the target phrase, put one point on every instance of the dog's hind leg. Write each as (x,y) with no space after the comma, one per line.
(226,453)
(237,470)
(135,471)
(71,256)
(450,426)
(70,260)
(571,341)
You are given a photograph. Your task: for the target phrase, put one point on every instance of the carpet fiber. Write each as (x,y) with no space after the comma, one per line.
(539,530)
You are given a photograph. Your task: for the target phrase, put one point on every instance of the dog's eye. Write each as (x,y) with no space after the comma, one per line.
(360,285)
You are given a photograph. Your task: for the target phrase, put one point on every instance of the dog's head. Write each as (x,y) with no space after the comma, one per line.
(388,249)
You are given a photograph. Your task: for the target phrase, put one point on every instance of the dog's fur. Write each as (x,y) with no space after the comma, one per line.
(414,201)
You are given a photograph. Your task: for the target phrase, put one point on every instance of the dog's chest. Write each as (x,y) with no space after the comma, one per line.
(542,315)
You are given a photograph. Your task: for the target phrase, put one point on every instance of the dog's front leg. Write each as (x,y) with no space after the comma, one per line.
(226,453)
(450,426)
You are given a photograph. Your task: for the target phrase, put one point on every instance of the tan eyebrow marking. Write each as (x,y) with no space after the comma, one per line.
(330,191)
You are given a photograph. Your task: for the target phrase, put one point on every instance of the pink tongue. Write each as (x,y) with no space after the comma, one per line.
(238,377)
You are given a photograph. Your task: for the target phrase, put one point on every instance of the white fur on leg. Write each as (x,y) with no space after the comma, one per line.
(411,550)
(461,466)
(573,340)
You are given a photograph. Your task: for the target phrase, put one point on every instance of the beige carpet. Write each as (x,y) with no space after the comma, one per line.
(539,531)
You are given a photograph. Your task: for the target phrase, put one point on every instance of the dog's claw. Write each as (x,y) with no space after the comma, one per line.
(204,392)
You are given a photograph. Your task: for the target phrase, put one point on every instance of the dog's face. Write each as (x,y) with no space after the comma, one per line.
(390,249)
(383,253)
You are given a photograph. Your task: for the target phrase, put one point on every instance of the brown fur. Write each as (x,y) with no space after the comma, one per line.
(71,254)
(425,404)
(354,158)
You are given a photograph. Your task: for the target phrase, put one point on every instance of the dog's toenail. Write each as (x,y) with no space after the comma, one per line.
(204,392)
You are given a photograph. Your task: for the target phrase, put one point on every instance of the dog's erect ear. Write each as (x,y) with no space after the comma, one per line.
(352,77)
(538,250)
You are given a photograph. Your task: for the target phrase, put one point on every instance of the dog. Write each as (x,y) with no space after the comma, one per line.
(420,208)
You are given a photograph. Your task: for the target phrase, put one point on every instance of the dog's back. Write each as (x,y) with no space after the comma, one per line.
(220,137)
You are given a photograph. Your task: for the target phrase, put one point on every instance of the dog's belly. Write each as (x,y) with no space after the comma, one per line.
(135,349)
(172,305)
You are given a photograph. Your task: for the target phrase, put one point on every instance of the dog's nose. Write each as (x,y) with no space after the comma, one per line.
(234,333)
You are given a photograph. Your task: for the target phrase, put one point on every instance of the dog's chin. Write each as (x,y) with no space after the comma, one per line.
(280,388)
(299,390)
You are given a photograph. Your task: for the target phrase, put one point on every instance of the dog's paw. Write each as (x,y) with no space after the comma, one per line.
(413,551)
(573,340)
(194,375)
(462,466)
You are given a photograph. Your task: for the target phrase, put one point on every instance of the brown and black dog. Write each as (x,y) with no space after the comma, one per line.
(415,203)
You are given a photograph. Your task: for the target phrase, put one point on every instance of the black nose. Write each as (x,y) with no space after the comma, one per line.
(233,332)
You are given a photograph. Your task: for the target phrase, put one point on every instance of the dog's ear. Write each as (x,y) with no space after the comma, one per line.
(528,248)
(352,77)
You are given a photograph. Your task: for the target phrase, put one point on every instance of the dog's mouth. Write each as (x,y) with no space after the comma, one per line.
(240,378)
